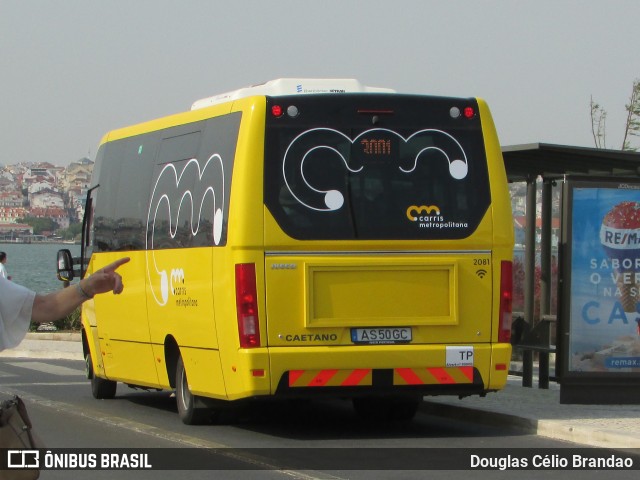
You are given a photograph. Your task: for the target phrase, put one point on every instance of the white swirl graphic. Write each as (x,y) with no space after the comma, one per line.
(333,200)
(211,174)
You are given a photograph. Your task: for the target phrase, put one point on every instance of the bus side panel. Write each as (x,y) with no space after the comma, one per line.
(186,218)
(191,290)
(89,326)
(179,297)
(245,371)
(181,307)
(122,324)
(503,239)
(503,236)
(204,372)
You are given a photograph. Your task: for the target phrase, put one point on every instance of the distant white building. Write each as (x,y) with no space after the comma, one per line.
(39,186)
(7,175)
(77,174)
(46,199)
(40,172)
(11,199)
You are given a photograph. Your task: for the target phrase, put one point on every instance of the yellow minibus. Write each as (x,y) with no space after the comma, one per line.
(303,238)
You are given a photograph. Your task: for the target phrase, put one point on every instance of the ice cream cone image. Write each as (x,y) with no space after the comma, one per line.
(628,294)
(620,238)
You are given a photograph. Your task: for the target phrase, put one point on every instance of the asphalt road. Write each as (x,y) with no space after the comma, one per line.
(289,434)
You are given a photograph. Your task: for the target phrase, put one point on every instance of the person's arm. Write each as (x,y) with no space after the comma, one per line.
(57,305)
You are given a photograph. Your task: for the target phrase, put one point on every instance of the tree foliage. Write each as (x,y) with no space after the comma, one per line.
(40,224)
(71,233)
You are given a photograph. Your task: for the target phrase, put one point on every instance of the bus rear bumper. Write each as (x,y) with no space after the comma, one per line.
(380,369)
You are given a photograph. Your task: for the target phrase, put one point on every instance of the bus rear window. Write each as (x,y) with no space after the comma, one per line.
(375,167)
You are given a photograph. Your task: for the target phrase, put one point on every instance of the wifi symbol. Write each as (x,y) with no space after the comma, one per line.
(481,273)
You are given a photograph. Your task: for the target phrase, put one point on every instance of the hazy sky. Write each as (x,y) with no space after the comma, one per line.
(71,70)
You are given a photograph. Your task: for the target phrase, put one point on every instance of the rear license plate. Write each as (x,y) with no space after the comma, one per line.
(381,335)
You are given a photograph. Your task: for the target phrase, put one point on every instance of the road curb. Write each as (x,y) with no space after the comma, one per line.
(56,336)
(569,430)
(572,431)
(484,417)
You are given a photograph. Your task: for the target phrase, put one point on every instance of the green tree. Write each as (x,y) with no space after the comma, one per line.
(72,232)
(40,224)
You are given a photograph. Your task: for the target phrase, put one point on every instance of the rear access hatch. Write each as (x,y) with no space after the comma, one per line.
(376,299)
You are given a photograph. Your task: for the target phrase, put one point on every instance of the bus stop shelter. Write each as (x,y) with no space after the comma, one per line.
(541,166)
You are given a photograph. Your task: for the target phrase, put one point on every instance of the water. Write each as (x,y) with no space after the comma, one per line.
(34,265)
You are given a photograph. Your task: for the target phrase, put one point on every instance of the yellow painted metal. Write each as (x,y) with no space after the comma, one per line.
(307,309)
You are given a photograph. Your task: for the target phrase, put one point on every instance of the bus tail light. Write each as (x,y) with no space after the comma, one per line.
(276,111)
(247,305)
(506,300)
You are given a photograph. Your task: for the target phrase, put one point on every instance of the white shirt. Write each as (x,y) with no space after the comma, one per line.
(3,270)
(16,305)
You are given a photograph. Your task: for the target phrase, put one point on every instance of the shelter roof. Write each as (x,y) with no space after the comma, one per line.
(555,161)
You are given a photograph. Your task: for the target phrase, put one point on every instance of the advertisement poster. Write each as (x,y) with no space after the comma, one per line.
(605,279)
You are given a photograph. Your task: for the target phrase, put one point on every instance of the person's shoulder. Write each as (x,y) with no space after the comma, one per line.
(12,287)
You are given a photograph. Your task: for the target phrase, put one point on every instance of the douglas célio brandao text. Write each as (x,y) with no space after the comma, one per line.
(555,461)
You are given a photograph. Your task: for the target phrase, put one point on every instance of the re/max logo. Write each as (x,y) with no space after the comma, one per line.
(619,238)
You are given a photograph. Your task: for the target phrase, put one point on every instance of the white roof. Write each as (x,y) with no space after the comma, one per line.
(292,86)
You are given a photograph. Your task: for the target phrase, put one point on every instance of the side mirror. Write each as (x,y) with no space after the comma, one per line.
(65,265)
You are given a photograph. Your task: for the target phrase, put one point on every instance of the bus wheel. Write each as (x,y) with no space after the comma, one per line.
(191,409)
(395,408)
(101,388)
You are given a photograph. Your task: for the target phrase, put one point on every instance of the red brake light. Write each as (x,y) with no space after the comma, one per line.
(469,112)
(506,300)
(247,305)
(276,110)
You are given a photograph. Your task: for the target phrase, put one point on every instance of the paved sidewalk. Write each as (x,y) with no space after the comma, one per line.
(54,345)
(539,411)
(532,410)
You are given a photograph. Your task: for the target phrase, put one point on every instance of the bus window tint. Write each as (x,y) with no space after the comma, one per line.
(418,174)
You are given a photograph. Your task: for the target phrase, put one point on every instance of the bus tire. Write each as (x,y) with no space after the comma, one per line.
(382,408)
(101,388)
(191,409)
